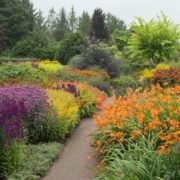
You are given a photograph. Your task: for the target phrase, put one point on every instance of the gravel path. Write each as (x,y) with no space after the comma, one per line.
(77,161)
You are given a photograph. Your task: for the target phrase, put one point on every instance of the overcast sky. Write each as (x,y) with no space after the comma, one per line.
(124,9)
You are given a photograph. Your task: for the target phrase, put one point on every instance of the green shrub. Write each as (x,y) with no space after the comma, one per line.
(154,41)
(95,56)
(112,49)
(69,47)
(71,77)
(44,53)
(22,71)
(10,158)
(24,48)
(120,84)
(101,84)
(37,160)
(120,38)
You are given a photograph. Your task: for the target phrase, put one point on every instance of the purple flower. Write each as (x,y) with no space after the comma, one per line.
(20,105)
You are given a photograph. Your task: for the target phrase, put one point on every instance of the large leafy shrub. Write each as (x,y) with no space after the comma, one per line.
(154,41)
(69,47)
(120,38)
(24,48)
(45,53)
(96,56)
(67,111)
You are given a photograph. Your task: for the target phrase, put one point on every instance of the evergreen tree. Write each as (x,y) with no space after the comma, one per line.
(84,25)
(16,19)
(51,21)
(72,20)
(114,23)
(98,28)
(61,25)
(40,33)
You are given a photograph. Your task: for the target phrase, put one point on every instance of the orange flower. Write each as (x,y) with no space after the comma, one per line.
(145,112)
(135,134)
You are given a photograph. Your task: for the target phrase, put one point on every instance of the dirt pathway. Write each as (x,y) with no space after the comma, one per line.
(77,161)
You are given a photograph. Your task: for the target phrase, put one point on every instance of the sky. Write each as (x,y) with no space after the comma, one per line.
(124,9)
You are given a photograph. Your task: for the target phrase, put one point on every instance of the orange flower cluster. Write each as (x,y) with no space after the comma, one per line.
(152,112)
(168,77)
(88,73)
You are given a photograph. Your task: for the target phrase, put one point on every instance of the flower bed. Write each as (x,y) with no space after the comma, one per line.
(135,121)
(88,98)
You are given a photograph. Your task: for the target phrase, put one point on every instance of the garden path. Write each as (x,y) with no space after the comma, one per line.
(78,159)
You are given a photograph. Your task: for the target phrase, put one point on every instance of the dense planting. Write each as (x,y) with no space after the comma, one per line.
(50,66)
(150,116)
(56,71)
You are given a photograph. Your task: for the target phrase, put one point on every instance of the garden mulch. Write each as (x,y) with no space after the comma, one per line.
(78,160)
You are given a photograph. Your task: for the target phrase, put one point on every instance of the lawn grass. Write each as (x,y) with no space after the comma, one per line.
(37,161)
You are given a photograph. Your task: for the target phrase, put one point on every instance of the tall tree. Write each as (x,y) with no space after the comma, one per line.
(72,20)
(114,23)
(17,19)
(40,34)
(99,29)
(51,21)
(61,25)
(84,25)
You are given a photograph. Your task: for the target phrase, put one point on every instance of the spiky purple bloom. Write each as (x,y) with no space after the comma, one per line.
(18,105)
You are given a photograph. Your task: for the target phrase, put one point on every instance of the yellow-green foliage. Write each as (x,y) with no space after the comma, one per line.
(148,73)
(162,66)
(67,110)
(50,66)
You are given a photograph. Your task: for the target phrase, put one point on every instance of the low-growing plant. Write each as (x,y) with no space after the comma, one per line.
(22,71)
(88,73)
(101,84)
(165,78)
(37,160)
(11,156)
(50,66)
(122,83)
